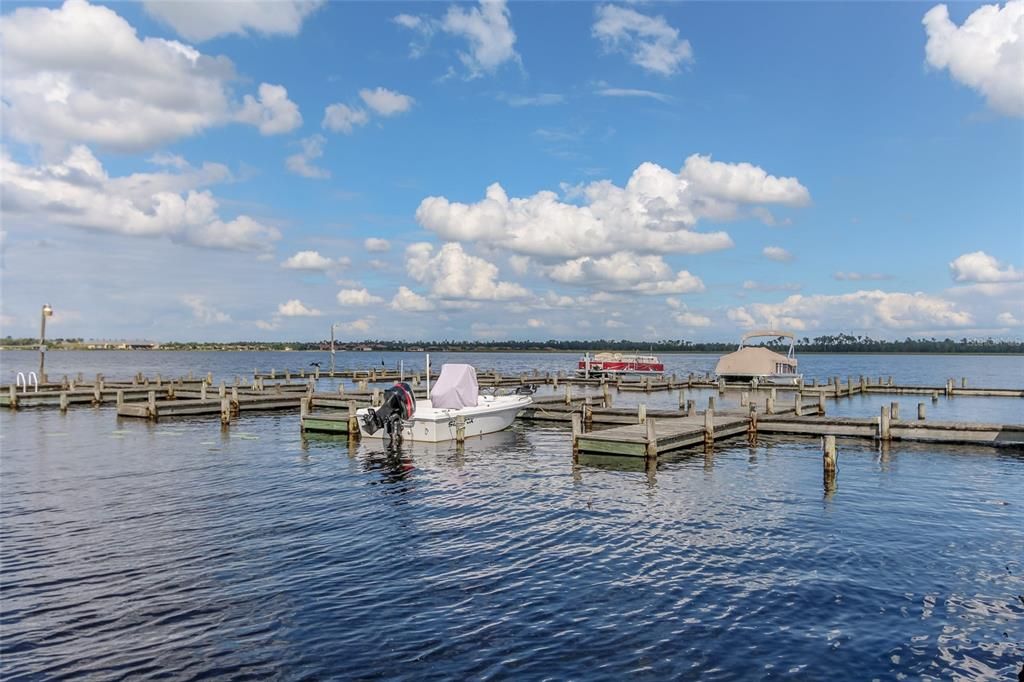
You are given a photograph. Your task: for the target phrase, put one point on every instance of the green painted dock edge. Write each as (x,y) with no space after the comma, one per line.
(323,423)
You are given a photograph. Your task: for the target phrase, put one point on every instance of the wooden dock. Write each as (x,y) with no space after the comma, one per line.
(654,435)
(585,402)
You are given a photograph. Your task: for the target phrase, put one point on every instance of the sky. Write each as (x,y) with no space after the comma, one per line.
(265,170)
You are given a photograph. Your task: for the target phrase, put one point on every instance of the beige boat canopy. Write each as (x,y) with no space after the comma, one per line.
(752,361)
(758,360)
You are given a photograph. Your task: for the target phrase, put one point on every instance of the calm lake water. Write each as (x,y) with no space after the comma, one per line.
(131,549)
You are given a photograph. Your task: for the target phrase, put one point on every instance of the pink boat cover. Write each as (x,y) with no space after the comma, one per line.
(455,388)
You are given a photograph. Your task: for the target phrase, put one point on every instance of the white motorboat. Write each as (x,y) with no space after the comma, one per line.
(766,366)
(453,403)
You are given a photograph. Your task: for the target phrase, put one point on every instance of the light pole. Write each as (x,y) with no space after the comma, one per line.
(47,312)
(333,325)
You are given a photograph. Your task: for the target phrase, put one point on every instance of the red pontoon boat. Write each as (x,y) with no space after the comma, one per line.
(608,364)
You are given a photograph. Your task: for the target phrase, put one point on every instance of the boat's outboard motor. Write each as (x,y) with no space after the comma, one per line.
(398,404)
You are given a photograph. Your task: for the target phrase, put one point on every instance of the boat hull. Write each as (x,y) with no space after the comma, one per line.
(764,379)
(431,425)
(624,368)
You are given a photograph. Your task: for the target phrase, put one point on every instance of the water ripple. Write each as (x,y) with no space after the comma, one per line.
(269,557)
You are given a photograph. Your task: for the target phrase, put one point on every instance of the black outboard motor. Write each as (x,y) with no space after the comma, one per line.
(398,404)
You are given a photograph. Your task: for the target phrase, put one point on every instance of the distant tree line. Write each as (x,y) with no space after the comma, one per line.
(839,343)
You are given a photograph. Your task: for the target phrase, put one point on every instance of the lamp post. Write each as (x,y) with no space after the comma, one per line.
(47,312)
(333,325)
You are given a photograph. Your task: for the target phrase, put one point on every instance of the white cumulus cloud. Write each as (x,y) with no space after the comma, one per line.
(308,260)
(203,312)
(79,73)
(199,21)
(376,244)
(1009,320)
(487,28)
(78,192)
(451,273)
(626,271)
(273,113)
(302,162)
(386,102)
(981,267)
(341,118)
(777,253)
(986,53)
(864,310)
(357,297)
(655,212)
(648,41)
(407,300)
(295,308)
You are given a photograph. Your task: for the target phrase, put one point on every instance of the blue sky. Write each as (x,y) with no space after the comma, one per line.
(258,170)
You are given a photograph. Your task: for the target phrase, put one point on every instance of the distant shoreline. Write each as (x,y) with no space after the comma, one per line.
(496,350)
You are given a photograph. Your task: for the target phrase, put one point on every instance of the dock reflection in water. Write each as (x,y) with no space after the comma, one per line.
(131,549)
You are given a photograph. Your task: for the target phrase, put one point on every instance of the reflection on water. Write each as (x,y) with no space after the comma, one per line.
(182,549)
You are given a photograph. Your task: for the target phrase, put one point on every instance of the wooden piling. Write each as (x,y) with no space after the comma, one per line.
(709,427)
(120,398)
(225,411)
(151,397)
(353,421)
(711,403)
(935,396)
(752,424)
(721,385)
(821,404)
(607,394)
(209,378)
(304,409)
(375,398)
(744,399)
(568,394)
(829,460)
(460,428)
(234,394)
(884,432)
(577,431)
(64,400)
(769,405)
(202,391)
(222,390)
(894,411)
(13,399)
(691,408)
(588,415)
(798,406)
(920,411)
(652,439)
(641,413)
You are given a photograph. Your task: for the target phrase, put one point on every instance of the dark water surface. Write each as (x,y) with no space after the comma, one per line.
(132,549)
